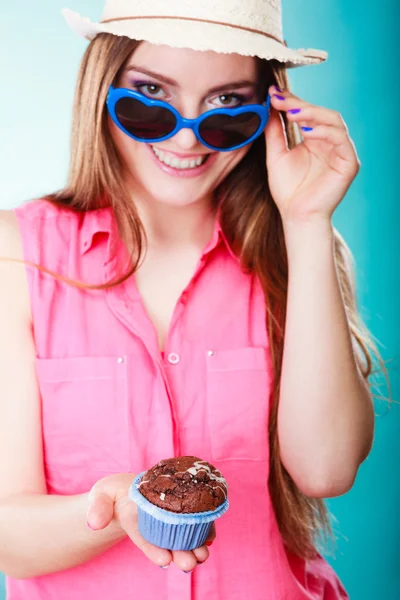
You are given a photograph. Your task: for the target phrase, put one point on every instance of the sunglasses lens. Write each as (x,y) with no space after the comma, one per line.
(144,122)
(224,131)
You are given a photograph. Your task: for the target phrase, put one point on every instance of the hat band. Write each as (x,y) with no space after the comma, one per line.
(199,21)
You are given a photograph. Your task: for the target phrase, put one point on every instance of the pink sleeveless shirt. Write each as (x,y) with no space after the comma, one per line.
(112,403)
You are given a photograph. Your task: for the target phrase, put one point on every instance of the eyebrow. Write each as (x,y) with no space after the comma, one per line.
(218,88)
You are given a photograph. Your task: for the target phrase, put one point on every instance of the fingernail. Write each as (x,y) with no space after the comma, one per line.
(187,572)
(307,128)
(90,527)
(279,89)
(294,111)
(201,562)
(166,567)
(209,543)
(279,97)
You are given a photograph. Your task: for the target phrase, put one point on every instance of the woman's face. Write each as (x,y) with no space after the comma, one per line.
(193,82)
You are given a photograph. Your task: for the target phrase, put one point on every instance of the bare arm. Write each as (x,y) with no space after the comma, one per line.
(326,418)
(44,534)
(40,533)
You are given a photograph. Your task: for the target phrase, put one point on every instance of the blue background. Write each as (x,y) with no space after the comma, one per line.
(39,58)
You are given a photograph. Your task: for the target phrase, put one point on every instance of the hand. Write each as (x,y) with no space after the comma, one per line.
(109,501)
(311,179)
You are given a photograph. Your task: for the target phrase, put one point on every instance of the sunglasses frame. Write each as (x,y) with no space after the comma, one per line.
(262,110)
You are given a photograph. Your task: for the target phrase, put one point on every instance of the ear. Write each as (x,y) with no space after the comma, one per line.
(275,137)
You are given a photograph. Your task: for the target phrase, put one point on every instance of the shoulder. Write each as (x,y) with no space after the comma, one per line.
(11,234)
(19,230)
(43,209)
(47,228)
(10,238)
(14,301)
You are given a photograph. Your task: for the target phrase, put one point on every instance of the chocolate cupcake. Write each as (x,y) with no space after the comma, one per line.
(178,500)
(184,485)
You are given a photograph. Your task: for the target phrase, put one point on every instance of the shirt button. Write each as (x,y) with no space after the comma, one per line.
(173,358)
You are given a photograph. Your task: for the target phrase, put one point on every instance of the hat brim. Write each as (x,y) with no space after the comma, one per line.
(197,36)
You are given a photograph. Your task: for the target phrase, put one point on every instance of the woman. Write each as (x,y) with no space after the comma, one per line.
(186,293)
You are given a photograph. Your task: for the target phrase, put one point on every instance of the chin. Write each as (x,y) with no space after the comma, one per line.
(171,191)
(174,198)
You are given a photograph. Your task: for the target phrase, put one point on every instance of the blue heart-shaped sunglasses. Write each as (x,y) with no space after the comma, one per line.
(222,129)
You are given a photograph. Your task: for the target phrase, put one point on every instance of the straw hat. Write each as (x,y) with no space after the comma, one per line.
(247,27)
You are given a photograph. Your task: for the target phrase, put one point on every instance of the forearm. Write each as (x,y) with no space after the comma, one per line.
(325,421)
(44,534)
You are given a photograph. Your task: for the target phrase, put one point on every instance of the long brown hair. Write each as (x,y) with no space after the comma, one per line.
(252,225)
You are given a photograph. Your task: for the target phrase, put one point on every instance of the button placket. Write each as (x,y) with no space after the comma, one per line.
(120,304)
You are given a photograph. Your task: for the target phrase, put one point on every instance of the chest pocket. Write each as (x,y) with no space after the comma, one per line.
(238,387)
(85,420)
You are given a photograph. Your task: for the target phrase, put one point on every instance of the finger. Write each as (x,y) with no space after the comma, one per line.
(337,137)
(100,511)
(201,554)
(286,101)
(158,556)
(318,116)
(184,560)
(275,137)
(126,512)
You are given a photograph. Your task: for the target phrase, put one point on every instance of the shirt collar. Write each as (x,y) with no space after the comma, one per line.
(96,221)
(103,220)
(217,239)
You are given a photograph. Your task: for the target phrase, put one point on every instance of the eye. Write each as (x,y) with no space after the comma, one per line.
(151,90)
(231,100)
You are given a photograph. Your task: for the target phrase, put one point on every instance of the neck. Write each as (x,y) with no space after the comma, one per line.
(173,227)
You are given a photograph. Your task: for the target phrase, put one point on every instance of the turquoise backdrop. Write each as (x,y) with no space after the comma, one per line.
(39,58)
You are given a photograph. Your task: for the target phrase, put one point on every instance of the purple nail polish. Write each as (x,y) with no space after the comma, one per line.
(294,111)
(278,89)
(307,128)
(187,572)
(279,97)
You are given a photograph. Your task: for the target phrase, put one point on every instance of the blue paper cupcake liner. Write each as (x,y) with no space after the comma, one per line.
(172,531)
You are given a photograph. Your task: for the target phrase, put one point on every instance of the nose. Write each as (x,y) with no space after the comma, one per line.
(186,139)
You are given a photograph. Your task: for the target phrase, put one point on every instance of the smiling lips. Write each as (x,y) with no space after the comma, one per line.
(172,160)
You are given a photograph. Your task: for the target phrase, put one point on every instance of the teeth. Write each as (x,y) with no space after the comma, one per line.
(175,162)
